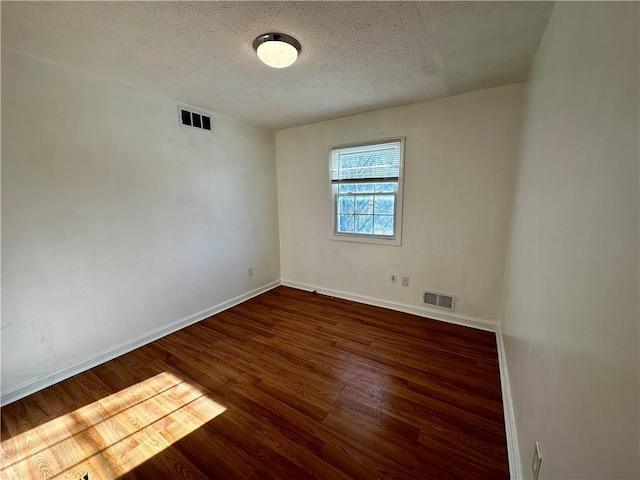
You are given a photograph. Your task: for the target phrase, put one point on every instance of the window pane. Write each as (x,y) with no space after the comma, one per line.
(365,187)
(364,204)
(384,204)
(346,223)
(383,225)
(347,188)
(364,224)
(346,204)
(386,187)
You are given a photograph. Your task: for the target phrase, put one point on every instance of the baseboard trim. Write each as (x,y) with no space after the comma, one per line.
(515,466)
(454,318)
(59,374)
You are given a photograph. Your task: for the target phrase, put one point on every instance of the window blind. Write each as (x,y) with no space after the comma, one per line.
(375,162)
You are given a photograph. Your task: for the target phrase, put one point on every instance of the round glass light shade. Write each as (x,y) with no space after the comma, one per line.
(277,49)
(277,54)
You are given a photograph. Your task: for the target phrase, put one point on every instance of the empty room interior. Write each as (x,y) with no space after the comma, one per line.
(320,240)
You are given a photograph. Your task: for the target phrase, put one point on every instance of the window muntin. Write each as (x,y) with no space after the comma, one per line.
(366,189)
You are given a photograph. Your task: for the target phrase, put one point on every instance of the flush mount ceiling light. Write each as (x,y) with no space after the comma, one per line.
(277,49)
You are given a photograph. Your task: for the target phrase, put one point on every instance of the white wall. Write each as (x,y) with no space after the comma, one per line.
(115,221)
(571,309)
(459,168)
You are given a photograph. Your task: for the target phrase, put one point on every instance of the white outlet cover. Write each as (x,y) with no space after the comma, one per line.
(536,463)
(405,281)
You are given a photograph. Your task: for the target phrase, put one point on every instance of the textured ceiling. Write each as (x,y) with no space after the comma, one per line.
(356,56)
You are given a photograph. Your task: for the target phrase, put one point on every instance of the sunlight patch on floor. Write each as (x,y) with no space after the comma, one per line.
(112,436)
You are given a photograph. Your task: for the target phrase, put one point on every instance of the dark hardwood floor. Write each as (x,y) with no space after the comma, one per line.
(287,385)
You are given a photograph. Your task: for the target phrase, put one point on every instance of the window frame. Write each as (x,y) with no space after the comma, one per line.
(396,239)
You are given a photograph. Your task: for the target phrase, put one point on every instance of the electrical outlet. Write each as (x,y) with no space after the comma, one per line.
(394,279)
(537,461)
(251,271)
(405,281)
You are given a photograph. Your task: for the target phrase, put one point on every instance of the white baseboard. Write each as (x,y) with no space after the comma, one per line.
(515,467)
(455,318)
(54,376)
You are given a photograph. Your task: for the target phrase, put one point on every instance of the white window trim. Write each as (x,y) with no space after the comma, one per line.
(396,240)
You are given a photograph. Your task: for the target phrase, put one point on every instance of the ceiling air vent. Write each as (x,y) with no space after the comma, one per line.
(191,119)
(439,299)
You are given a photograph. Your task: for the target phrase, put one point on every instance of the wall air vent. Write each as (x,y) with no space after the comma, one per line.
(189,118)
(439,299)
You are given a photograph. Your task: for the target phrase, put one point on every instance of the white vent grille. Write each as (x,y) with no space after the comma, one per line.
(191,119)
(446,301)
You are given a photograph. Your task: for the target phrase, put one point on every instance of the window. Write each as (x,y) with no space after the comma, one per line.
(366,181)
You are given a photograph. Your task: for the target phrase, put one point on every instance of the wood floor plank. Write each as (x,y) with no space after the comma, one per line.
(289,384)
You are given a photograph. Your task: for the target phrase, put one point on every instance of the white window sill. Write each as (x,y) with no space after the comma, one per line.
(366,239)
